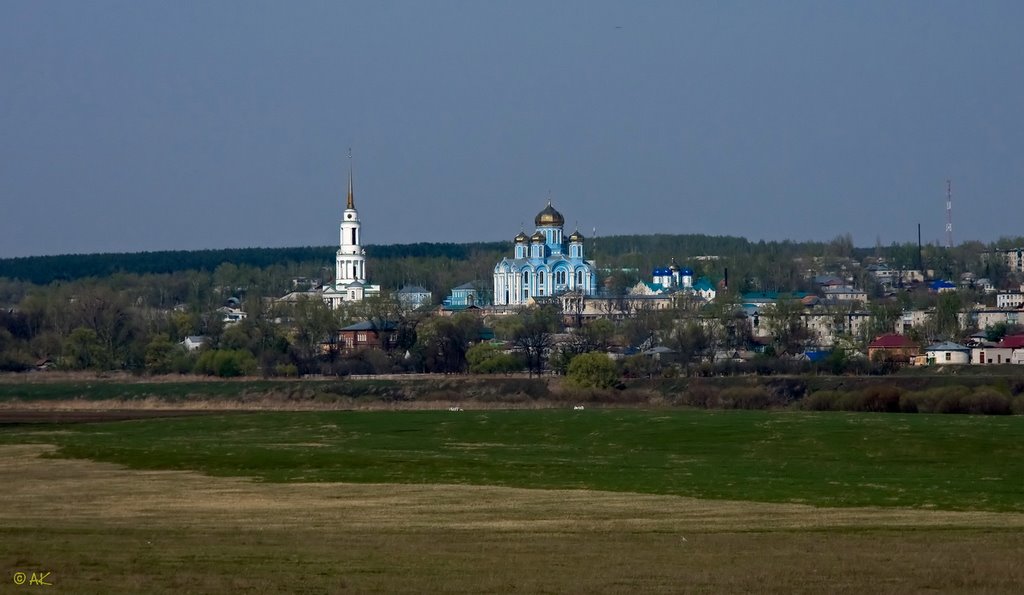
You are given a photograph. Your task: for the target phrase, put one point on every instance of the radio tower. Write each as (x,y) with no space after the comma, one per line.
(949,214)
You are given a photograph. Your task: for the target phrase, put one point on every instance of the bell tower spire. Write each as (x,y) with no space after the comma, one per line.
(351,204)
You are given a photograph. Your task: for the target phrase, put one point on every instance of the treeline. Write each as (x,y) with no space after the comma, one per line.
(43,270)
(760,265)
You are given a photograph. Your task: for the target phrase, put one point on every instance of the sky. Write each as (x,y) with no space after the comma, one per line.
(134,125)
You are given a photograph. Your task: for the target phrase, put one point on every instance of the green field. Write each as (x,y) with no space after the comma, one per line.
(823,459)
(431,501)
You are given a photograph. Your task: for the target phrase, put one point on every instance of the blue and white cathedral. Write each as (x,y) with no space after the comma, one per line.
(544,264)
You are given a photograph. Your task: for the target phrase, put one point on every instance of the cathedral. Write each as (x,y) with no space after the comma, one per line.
(350,264)
(544,264)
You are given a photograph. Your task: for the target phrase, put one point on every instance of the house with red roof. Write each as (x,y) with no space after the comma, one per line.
(893,348)
(1008,351)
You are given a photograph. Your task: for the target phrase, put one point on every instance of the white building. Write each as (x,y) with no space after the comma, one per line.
(947,354)
(350,265)
(911,319)
(1010,299)
(844,293)
(193,342)
(413,296)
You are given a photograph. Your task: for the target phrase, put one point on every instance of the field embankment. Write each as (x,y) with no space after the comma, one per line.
(990,390)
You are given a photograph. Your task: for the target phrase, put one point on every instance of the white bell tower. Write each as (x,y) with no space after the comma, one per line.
(351,262)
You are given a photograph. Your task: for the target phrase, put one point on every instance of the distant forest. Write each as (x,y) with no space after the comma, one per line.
(439,266)
(42,270)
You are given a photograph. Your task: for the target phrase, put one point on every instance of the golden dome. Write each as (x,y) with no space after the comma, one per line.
(538,238)
(576,237)
(549,217)
(520,238)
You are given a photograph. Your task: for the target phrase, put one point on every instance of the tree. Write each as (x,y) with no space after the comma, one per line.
(160,355)
(485,358)
(84,351)
(226,363)
(442,342)
(593,370)
(997,331)
(691,341)
(313,322)
(947,315)
(785,322)
(533,337)
(113,325)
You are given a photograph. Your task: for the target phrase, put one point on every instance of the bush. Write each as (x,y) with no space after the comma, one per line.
(936,400)
(488,359)
(593,370)
(909,402)
(289,370)
(226,363)
(881,399)
(986,401)
(698,394)
(745,397)
(822,400)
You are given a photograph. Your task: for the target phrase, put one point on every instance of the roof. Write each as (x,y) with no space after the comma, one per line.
(817,356)
(941,284)
(891,341)
(470,285)
(459,307)
(703,284)
(1013,342)
(946,346)
(827,280)
(367,325)
(413,289)
(841,289)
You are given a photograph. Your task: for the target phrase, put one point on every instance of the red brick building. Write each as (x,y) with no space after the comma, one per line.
(366,335)
(893,348)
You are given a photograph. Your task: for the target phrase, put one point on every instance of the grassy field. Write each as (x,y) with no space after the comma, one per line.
(824,459)
(404,502)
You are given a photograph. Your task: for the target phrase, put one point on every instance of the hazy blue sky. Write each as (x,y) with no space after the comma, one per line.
(135,125)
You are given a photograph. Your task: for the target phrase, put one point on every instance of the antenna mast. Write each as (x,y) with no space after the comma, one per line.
(949,214)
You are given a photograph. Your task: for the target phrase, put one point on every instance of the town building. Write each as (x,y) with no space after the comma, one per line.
(998,353)
(466,295)
(413,296)
(844,293)
(947,353)
(1010,299)
(350,263)
(984,318)
(366,335)
(1013,258)
(893,347)
(544,264)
